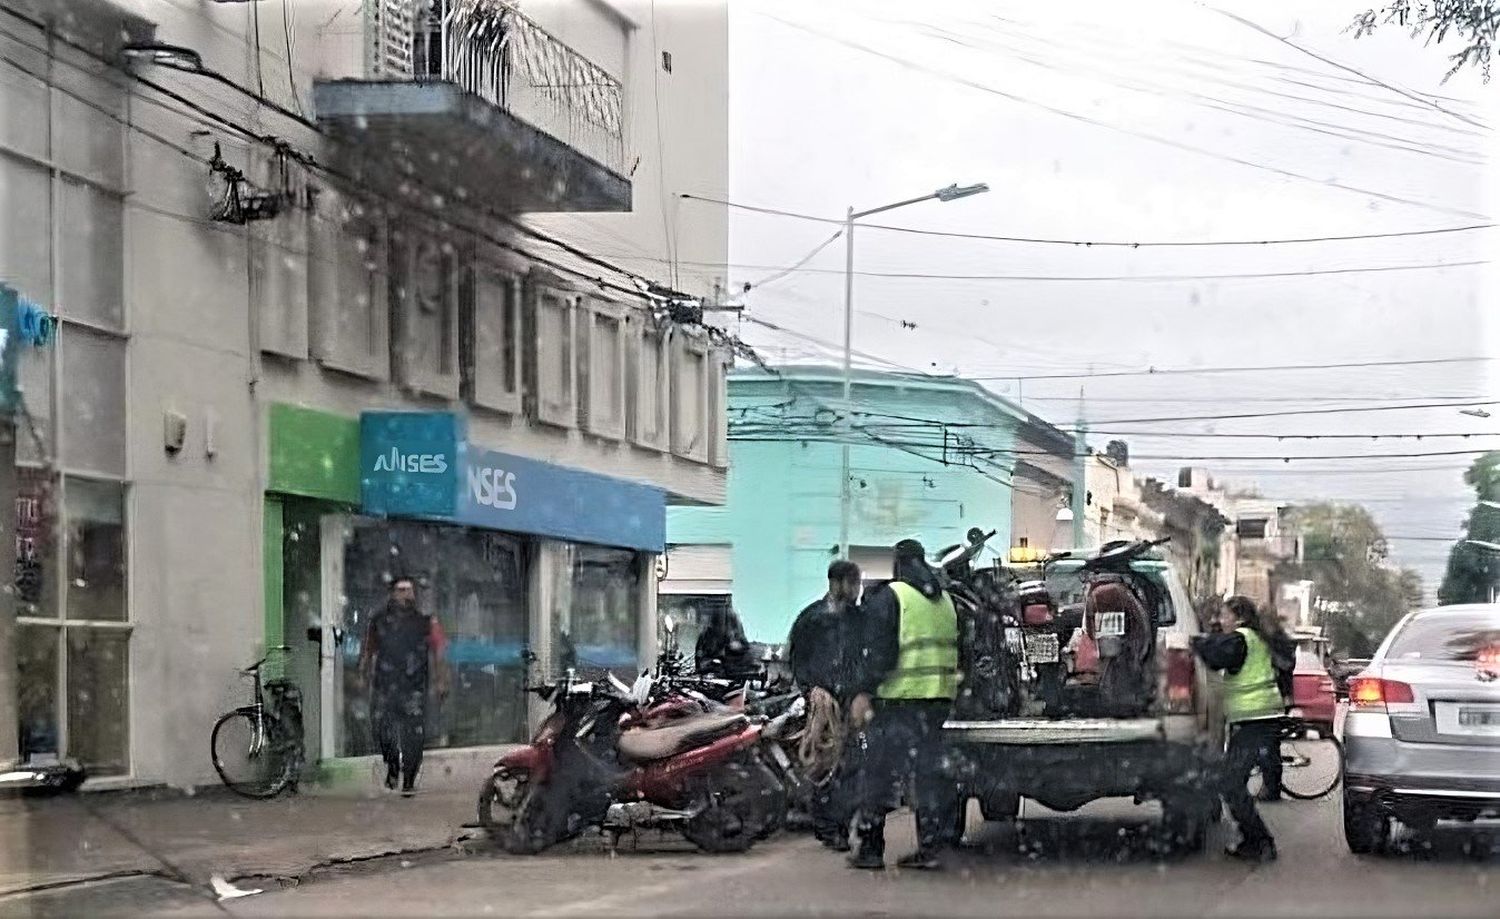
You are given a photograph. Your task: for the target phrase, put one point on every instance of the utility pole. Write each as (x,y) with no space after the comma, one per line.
(1080,475)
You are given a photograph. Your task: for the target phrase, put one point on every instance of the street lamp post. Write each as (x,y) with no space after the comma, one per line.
(951,193)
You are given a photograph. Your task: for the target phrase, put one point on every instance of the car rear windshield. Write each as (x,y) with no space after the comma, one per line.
(1065,584)
(1447,637)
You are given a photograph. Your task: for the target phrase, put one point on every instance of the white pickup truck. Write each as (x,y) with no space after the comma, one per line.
(1077,746)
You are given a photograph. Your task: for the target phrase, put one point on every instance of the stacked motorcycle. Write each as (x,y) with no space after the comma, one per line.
(672,752)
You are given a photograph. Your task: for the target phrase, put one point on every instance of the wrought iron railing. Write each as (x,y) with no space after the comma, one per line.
(488,48)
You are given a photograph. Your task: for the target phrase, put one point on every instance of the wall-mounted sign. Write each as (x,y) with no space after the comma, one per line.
(409,463)
(418,464)
(505,492)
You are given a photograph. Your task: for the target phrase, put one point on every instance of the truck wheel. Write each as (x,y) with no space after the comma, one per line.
(1366,829)
(1000,806)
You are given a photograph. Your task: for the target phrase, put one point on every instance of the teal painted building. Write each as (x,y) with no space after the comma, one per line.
(930,458)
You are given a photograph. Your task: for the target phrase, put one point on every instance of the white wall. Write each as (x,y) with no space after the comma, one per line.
(688,153)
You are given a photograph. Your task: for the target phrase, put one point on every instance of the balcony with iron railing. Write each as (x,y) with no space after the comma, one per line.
(508,114)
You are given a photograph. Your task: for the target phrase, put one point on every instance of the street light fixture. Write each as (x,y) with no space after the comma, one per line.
(950,193)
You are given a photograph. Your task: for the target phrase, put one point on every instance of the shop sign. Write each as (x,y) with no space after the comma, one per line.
(505,492)
(409,463)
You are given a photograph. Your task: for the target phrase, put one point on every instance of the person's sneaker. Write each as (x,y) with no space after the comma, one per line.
(835,842)
(391,778)
(920,860)
(866,860)
(408,789)
(1264,852)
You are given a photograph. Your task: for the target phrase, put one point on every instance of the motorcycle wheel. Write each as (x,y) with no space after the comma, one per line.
(741,803)
(501,797)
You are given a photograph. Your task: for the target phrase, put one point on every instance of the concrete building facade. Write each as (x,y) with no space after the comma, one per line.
(257,241)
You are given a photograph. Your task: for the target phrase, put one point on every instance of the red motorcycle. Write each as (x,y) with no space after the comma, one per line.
(611,756)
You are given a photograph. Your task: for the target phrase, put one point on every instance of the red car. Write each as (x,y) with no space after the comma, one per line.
(1313,694)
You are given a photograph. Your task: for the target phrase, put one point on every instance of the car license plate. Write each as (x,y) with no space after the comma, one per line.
(1107,625)
(1041,648)
(1467,718)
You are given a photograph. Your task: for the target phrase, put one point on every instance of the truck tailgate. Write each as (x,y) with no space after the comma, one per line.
(1026,731)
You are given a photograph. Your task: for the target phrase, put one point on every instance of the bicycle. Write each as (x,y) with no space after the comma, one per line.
(257,748)
(1311,767)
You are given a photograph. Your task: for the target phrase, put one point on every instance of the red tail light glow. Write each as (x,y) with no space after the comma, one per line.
(1180,672)
(1377,693)
(1036,614)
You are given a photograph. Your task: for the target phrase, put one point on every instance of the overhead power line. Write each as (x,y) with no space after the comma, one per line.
(1155,138)
(1121,278)
(1429,103)
(1092,243)
(1264,368)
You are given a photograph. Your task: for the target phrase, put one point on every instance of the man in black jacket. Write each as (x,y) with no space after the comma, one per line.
(817,650)
(905,677)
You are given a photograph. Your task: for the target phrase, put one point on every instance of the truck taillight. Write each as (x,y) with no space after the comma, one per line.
(1180,674)
(1374,693)
(1036,614)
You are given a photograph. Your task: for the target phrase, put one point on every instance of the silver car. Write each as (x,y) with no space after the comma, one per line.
(1422,737)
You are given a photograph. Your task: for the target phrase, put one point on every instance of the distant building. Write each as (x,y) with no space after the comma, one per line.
(930,458)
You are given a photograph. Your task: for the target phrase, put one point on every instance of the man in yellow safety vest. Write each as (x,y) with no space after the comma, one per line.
(905,675)
(1253,708)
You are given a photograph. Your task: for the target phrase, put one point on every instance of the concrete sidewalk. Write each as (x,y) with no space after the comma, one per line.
(54,842)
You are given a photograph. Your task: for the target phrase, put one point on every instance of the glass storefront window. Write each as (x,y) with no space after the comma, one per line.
(36,669)
(597,609)
(99,699)
(474,582)
(95,513)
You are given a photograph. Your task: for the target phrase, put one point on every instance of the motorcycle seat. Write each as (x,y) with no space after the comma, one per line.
(643,744)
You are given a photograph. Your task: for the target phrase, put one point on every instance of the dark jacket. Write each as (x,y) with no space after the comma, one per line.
(816,647)
(875,655)
(1226,651)
(722,649)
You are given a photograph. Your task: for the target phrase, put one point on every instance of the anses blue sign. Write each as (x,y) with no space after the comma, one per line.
(418,464)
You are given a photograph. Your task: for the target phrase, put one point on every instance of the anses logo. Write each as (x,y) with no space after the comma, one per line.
(396,461)
(493,487)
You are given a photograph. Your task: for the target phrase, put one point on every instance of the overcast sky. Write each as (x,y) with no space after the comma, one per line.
(1147,121)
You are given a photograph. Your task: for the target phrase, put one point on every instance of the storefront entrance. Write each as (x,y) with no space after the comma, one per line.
(476,583)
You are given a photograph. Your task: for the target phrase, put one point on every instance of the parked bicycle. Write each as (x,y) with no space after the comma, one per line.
(257,748)
(1312,763)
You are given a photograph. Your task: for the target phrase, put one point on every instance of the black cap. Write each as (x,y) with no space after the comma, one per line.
(910,548)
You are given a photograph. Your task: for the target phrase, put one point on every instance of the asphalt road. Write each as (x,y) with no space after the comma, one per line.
(1100,861)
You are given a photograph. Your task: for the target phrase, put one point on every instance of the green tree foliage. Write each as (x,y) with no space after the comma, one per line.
(1470,23)
(1474,570)
(1344,554)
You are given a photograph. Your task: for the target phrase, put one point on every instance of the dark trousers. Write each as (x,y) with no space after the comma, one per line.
(834,802)
(1248,745)
(905,743)
(1270,770)
(401,731)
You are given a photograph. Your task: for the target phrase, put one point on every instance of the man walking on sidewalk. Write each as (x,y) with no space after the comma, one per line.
(402,646)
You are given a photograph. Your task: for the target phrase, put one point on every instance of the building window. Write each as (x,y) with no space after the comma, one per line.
(490,340)
(690,400)
(62,169)
(601,369)
(86,653)
(1251,528)
(349,286)
(552,348)
(475,583)
(649,377)
(426,341)
(596,608)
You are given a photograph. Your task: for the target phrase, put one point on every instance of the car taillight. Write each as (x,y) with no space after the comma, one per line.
(1036,614)
(1179,678)
(1374,692)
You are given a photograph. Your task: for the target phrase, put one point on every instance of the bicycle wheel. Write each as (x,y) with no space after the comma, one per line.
(247,759)
(1311,767)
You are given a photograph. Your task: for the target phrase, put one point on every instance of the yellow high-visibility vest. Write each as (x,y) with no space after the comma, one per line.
(927,666)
